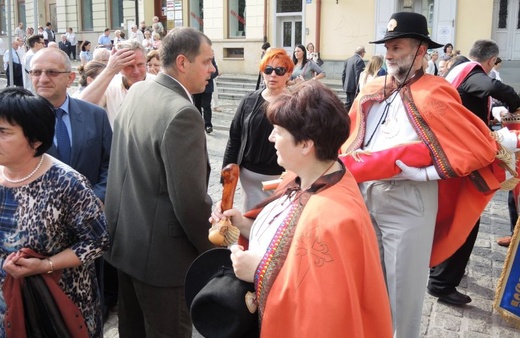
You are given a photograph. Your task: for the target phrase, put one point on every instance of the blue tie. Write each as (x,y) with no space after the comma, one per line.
(62,137)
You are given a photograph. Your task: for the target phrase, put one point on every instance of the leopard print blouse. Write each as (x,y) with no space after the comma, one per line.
(54,212)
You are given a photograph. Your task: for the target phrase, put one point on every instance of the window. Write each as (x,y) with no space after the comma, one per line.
(21,13)
(502,14)
(197,14)
(3,25)
(289,6)
(237,18)
(116,13)
(87,23)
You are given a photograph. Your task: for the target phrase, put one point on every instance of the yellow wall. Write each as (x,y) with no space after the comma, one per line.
(474,21)
(345,26)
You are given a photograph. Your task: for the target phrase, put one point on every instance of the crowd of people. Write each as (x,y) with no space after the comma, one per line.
(108,198)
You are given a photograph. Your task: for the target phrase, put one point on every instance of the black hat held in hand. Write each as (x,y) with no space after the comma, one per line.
(216,298)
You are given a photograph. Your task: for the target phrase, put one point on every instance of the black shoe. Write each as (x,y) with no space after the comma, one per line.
(454,298)
(209,129)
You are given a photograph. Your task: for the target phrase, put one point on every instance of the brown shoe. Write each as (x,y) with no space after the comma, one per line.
(504,241)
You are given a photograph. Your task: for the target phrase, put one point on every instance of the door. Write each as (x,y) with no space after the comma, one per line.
(443,25)
(506,28)
(289,32)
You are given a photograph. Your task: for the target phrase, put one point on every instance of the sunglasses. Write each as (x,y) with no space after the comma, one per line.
(49,73)
(280,71)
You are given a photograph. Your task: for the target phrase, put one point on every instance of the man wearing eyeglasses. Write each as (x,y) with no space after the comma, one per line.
(35,43)
(83,134)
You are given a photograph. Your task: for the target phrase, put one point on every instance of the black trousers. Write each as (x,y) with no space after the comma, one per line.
(350,100)
(513,213)
(150,311)
(17,75)
(445,277)
(72,52)
(203,103)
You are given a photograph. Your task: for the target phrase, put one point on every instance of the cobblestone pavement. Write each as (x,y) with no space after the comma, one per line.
(438,320)
(476,320)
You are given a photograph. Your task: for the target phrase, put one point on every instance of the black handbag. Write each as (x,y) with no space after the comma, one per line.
(42,316)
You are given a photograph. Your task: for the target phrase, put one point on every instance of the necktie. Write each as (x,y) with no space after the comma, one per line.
(62,137)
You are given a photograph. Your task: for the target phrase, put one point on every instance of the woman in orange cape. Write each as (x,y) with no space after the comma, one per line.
(313,254)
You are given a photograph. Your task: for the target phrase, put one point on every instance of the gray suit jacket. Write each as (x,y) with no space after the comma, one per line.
(91,141)
(157,205)
(352,68)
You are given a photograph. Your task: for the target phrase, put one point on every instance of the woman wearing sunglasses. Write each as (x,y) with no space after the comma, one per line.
(248,144)
(304,69)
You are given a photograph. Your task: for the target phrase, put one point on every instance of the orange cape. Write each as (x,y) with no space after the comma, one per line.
(458,144)
(331,283)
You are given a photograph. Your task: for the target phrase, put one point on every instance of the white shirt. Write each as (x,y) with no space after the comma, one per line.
(137,35)
(71,37)
(115,95)
(395,130)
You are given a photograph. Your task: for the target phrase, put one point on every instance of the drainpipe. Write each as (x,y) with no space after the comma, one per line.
(136,14)
(265,21)
(318,26)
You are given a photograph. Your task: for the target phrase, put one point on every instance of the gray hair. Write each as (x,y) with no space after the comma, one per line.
(360,50)
(181,41)
(130,44)
(483,50)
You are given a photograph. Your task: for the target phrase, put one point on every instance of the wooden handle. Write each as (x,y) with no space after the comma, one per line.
(229,176)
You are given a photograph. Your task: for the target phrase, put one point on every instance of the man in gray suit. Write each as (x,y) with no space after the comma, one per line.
(157,204)
(352,68)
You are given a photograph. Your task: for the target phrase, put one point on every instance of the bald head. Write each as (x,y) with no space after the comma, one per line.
(51,75)
(46,52)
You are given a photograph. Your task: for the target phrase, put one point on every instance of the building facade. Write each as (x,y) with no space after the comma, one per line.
(238,28)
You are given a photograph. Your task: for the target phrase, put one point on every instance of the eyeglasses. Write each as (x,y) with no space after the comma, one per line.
(49,73)
(280,71)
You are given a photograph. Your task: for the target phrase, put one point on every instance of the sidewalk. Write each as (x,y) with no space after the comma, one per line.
(438,320)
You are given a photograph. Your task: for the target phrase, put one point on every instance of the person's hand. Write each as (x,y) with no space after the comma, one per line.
(244,263)
(120,59)
(19,267)
(416,174)
(234,215)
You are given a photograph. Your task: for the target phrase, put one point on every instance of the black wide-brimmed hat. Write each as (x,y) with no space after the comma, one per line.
(216,298)
(408,25)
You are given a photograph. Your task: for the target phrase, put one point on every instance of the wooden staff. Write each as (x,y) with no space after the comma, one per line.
(223,233)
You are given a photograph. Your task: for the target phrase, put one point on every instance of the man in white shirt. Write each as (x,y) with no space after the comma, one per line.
(125,67)
(19,32)
(35,42)
(136,34)
(12,54)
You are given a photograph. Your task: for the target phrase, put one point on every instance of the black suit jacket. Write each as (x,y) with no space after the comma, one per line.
(352,68)
(91,141)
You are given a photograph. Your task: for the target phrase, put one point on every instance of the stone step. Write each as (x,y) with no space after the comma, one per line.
(235,86)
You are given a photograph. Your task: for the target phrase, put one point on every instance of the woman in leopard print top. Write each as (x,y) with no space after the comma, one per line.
(46,206)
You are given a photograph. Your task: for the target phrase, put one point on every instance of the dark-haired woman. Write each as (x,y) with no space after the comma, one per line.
(304,69)
(46,207)
(313,254)
(85,55)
